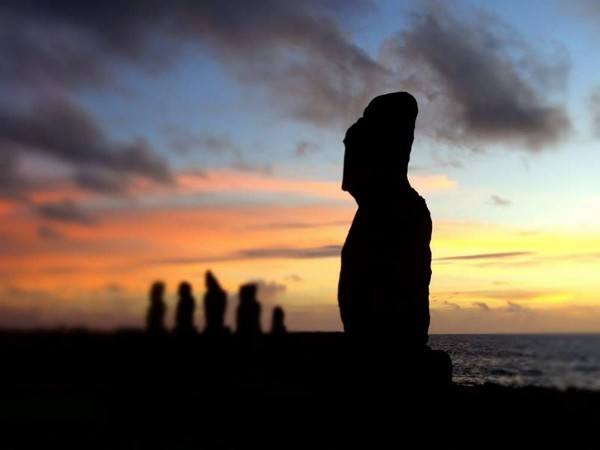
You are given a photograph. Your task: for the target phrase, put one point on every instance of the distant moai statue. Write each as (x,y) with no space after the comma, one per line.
(155,318)
(248,312)
(184,315)
(215,304)
(278,322)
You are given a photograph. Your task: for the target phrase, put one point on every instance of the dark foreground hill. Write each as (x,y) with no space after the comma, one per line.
(301,390)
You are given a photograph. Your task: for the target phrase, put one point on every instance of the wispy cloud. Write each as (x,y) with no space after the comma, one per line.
(299,52)
(498,255)
(305,148)
(299,225)
(66,211)
(215,181)
(304,57)
(509,294)
(452,305)
(595,111)
(513,307)
(99,164)
(49,233)
(496,200)
(471,65)
(325,251)
(482,305)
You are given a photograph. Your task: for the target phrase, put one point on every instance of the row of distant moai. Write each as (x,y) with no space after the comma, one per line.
(215,304)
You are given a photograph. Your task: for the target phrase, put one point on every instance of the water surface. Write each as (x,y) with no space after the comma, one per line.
(560,361)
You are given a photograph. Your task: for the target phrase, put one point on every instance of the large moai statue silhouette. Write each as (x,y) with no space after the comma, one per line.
(248,311)
(184,315)
(215,304)
(386,259)
(155,317)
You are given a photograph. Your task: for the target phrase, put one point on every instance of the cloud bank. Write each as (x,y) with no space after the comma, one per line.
(486,84)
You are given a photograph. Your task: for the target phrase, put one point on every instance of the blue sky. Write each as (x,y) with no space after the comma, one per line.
(196,97)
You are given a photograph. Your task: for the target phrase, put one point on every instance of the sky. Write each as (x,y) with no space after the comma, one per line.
(156,140)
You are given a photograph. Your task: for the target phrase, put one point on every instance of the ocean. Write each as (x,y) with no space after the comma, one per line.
(549,360)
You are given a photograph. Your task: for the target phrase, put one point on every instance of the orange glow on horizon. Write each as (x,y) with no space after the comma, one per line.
(482,273)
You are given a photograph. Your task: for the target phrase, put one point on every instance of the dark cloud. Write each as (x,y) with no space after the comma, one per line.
(485,83)
(182,141)
(52,43)
(298,51)
(294,277)
(48,51)
(59,128)
(499,255)
(12,185)
(496,200)
(101,180)
(443,161)
(595,111)
(66,211)
(305,148)
(215,143)
(50,233)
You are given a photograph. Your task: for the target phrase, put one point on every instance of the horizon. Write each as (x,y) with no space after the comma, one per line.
(143,144)
(140,330)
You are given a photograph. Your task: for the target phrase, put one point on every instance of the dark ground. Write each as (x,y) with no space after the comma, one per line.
(303,390)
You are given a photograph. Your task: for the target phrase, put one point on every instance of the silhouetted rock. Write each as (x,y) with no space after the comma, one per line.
(215,304)
(248,312)
(155,318)
(278,321)
(184,315)
(386,260)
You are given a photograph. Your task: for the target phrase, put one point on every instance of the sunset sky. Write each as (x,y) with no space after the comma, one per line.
(161,139)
